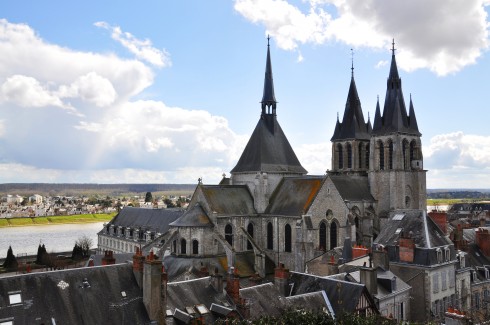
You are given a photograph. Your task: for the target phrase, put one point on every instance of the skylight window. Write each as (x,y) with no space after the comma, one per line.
(398,217)
(123,294)
(9,322)
(399,230)
(202,309)
(15,298)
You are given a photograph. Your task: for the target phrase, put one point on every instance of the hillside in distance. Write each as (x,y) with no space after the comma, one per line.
(69,189)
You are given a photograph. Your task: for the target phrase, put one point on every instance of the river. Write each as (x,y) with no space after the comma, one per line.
(56,238)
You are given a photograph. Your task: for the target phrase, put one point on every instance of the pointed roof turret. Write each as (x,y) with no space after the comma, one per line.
(395,117)
(268,149)
(268,98)
(412,120)
(378,122)
(353,125)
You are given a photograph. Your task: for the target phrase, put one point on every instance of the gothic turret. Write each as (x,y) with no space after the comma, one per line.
(268,156)
(396,174)
(395,118)
(350,141)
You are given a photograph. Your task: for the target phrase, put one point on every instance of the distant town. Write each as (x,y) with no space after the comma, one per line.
(96,199)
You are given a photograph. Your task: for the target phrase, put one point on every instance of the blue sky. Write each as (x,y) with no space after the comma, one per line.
(169,91)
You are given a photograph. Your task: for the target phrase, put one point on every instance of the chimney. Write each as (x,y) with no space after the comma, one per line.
(359,251)
(482,222)
(217,281)
(380,258)
(369,279)
(281,279)
(406,249)
(138,261)
(347,250)
(153,280)
(483,241)
(440,219)
(233,285)
(108,258)
(203,271)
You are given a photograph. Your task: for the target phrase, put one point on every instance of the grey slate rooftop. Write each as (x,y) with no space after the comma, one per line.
(193,217)
(352,187)
(154,219)
(229,199)
(94,295)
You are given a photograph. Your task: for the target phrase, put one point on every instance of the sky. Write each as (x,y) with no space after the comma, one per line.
(169,91)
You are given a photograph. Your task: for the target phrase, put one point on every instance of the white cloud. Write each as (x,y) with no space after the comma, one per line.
(27,92)
(92,88)
(315,158)
(441,35)
(143,49)
(458,160)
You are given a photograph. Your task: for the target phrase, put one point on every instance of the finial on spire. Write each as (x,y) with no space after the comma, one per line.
(378,98)
(352,61)
(337,116)
(393,47)
(268,39)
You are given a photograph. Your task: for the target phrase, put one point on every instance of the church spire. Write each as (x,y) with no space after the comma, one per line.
(268,98)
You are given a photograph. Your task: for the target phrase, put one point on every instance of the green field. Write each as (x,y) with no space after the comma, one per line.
(80,218)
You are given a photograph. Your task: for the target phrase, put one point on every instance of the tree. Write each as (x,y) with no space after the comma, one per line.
(77,252)
(148,197)
(85,244)
(10,262)
(41,254)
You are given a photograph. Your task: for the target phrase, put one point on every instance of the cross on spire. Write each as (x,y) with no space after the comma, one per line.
(352,61)
(393,49)
(268,39)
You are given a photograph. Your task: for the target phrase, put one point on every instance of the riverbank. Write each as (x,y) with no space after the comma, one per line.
(56,220)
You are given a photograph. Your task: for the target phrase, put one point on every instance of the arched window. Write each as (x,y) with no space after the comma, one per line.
(349,155)
(356,223)
(250,230)
(359,155)
(367,155)
(390,155)
(270,236)
(195,247)
(183,245)
(287,238)
(413,153)
(229,234)
(404,151)
(381,155)
(333,235)
(322,244)
(341,156)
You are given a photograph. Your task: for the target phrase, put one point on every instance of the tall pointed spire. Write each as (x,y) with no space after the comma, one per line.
(395,118)
(412,120)
(268,98)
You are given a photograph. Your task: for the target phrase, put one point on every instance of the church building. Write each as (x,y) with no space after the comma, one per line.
(270,211)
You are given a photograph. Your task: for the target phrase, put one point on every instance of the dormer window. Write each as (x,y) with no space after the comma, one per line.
(447,254)
(487,273)
(461,261)
(439,255)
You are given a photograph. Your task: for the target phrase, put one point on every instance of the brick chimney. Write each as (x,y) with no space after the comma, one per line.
(440,219)
(281,279)
(154,279)
(138,261)
(483,241)
(233,290)
(406,249)
(359,251)
(108,258)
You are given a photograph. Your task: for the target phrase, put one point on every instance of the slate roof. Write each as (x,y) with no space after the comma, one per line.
(294,195)
(382,277)
(395,117)
(193,217)
(268,96)
(154,219)
(67,298)
(184,294)
(427,237)
(316,301)
(352,187)
(416,223)
(353,125)
(264,299)
(343,295)
(229,199)
(119,258)
(268,150)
